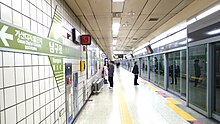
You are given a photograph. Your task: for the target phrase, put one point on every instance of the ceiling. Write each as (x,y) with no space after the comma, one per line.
(138,19)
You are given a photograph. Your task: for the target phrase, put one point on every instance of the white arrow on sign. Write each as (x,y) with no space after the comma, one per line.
(5,36)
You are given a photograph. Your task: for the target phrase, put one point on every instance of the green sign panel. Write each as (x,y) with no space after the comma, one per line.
(56,27)
(57,66)
(18,39)
(15,38)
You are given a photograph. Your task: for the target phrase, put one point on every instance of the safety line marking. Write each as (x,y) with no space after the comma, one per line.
(181,112)
(151,87)
(172,103)
(124,113)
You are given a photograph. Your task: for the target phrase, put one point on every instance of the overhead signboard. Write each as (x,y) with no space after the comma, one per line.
(12,37)
(85,39)
(75,36)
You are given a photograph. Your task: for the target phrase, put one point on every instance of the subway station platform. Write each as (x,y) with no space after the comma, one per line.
(141,104)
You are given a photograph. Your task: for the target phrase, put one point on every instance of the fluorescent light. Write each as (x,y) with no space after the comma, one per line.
(180,35)
(115,29)
(191,21)
(189,39)
(183,42)
(216,31)
(114,42)
(208,12)
(118,0)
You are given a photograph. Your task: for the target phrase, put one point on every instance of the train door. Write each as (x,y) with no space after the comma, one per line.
(177,72)
(216,87)
(139,61)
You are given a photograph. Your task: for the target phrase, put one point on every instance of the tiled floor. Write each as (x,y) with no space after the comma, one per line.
(142,104)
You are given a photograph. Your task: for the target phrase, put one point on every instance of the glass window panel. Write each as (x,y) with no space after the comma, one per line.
(143,65)
(17,20)
(217,79)
(197,76)
(160,70)
(153,69)
(182,74)
(6,13)
(174,71)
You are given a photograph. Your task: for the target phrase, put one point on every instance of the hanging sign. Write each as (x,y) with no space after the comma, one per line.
(85,39)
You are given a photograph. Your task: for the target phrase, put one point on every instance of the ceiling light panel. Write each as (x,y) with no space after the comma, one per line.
(116,1)
(213,32)
(115,26)
(114,42)
(208,12)
(117,7)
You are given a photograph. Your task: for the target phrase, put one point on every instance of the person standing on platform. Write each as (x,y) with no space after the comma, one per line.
(105,71)
(111,74)
(135,71)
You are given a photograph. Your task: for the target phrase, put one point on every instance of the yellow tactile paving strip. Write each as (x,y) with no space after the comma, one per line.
(172,100)
(172,103)
(124,113)
(180,112)
(151,87)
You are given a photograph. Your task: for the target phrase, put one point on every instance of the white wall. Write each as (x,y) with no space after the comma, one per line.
(28,89)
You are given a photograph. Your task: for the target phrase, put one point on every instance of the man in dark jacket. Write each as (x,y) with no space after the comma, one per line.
(111,74)
(135,71)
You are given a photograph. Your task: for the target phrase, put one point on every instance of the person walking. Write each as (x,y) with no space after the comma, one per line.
(135,71)
(111,74)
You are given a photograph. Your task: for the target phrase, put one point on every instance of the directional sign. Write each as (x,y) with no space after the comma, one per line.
(15,38)
(4,35)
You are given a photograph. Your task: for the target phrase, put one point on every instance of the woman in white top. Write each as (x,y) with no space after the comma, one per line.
(105,68)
